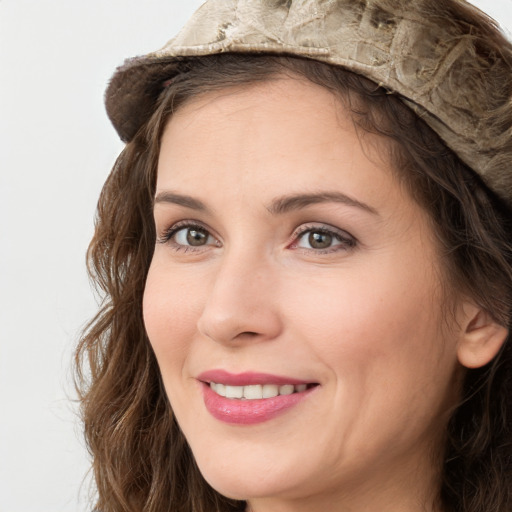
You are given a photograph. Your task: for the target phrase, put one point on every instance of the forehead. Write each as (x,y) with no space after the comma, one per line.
(285,129)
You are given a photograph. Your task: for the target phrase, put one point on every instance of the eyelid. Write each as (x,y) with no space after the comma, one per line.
(168,233)
(348,241)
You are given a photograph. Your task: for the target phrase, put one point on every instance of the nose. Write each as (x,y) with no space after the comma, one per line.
(242,303)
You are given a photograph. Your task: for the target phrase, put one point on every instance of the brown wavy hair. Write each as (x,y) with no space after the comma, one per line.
(141,461)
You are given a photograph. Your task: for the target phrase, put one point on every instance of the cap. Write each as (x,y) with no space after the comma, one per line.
(444,58)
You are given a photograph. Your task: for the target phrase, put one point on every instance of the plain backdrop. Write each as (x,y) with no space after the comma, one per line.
(56,149)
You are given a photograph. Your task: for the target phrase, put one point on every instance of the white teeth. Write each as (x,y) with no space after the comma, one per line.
(256,391)
(287,389)
(219,388)
(270,390)
(234,391)
(253,392)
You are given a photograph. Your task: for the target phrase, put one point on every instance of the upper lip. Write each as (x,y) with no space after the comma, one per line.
(247,378)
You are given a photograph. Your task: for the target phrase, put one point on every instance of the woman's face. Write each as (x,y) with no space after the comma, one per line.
(289,259)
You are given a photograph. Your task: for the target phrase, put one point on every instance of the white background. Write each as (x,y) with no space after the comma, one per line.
(56,148)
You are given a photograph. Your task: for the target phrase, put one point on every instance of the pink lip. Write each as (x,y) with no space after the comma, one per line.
(248,412)
(247,378)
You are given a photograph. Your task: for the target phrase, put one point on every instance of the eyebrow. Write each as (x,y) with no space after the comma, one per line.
(278,206)
(296,202)
(182,200)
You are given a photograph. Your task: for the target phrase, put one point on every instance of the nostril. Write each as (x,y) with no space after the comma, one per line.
(228,318)
(247,335)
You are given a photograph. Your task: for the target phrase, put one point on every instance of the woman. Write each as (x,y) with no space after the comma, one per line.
(305,253)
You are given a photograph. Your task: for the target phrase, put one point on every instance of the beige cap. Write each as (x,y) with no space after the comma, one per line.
(454,71)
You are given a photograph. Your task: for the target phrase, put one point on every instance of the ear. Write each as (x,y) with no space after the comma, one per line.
(481,337)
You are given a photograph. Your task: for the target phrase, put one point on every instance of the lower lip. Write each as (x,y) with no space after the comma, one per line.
(249,412)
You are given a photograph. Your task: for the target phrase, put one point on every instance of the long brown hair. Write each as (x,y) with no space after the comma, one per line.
(141,460)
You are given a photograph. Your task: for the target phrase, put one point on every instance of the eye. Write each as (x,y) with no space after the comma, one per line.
(317,240)
(188,236)
(320,238)
(193,236)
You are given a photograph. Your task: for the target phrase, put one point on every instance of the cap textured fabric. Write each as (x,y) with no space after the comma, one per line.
(443,68)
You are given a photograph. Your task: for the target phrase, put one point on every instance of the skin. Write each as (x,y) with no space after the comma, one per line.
(363,318)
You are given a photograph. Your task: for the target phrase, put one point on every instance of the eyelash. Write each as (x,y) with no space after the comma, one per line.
(346,240)
(169,233)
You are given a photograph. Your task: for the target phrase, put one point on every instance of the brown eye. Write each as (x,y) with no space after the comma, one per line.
(318,240)
(191,236)
(324,238)
(196,236)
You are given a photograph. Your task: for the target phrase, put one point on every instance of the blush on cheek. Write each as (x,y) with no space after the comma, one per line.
(170,313)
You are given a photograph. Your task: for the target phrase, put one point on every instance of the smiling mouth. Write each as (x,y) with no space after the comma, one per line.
(257,391)
(249,398)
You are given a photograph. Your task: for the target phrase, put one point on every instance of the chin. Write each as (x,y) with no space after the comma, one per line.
(248,479)
(244,487)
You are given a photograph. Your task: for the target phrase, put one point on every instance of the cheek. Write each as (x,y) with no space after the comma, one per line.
(367,312)
(170,309)
(379,332)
